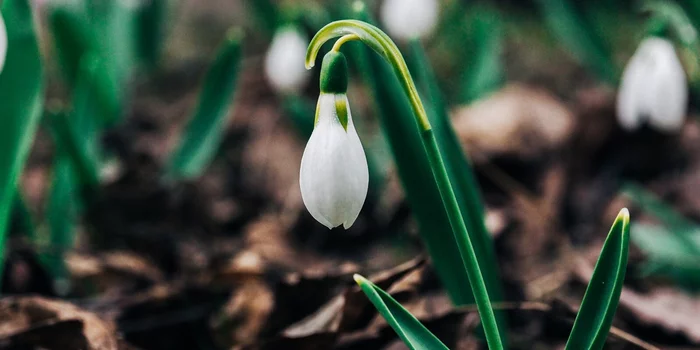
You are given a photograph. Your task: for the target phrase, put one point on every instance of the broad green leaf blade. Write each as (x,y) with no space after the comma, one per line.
(21,90)
(74,39)
(580,37)
(151,31)
(265,13)
(61,215)
(25,221)
(301,112)
(206,128)
(71,37)
(409,329)
(675,222)
(667,255)
(484,73)
(602,296)
(413,166)
(68,140)
(462,178)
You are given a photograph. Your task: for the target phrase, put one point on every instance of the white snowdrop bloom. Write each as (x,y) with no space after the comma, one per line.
(3,43)
(409,19)
(284,61)
(654,88)
(334,177)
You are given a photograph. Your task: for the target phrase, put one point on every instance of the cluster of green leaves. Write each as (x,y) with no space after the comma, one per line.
(98,45)
(21,86)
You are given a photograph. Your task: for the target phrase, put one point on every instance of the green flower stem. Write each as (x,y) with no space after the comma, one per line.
(350,30)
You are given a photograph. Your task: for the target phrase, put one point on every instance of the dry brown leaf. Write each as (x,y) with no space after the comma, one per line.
(518,120)
(669,308)
(40,322)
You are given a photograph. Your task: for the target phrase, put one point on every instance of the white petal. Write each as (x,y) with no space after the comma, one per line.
(334,177)
(284,61)
(653,88)
(670,90)
(408,19)
(3,43)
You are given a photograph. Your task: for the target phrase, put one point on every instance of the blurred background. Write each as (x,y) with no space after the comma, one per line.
(159,205)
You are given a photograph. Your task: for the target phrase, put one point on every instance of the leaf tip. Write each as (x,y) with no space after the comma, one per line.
(624,215)
(359,279)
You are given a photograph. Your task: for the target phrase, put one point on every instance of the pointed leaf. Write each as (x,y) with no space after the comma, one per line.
(409,329)
(21,90)
(602,296)
(203,135)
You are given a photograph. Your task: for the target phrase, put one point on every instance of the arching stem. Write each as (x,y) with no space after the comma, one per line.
(373,37)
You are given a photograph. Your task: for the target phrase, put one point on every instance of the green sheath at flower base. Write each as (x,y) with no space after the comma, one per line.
(334,73)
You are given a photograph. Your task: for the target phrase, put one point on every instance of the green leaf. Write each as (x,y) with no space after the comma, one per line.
(485,72)
(675,222)
(69,142)
(301,112)
(580,37)
(413,166)
(462,177)
(150,31)
(21,90)
(206,128)
(409,329)
(266,14)
(595,316)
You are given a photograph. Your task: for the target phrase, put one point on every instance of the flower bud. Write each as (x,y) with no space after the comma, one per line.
(284,61)
(654,88)
(409,19)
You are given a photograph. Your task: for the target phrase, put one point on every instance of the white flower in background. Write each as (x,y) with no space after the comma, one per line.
(654,88)
(334,177)
(3,43)
(409,19)
(284,61)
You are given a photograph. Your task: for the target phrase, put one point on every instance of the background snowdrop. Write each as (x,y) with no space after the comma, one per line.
(408,19)
(284,61)
(3,43)
(653,88)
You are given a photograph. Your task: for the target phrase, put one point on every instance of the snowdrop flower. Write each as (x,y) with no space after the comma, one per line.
(284,62)
(653,88)
(3,43)
(409,19)
(334,177)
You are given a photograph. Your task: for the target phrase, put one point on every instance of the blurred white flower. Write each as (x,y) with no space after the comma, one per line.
(654,88)
(3,43)
(284,62)
(409,19)
(334,177)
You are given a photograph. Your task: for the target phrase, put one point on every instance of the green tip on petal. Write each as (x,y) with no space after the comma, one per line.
(334,73)
(359,279)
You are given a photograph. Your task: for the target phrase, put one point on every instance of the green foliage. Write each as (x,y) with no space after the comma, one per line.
(404,139)
(580,37)
(595,316)
(462,177)
(105,29)
(409,329)
(150,31)
(21,90)
(672,249)
(206,128)
(484,73)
